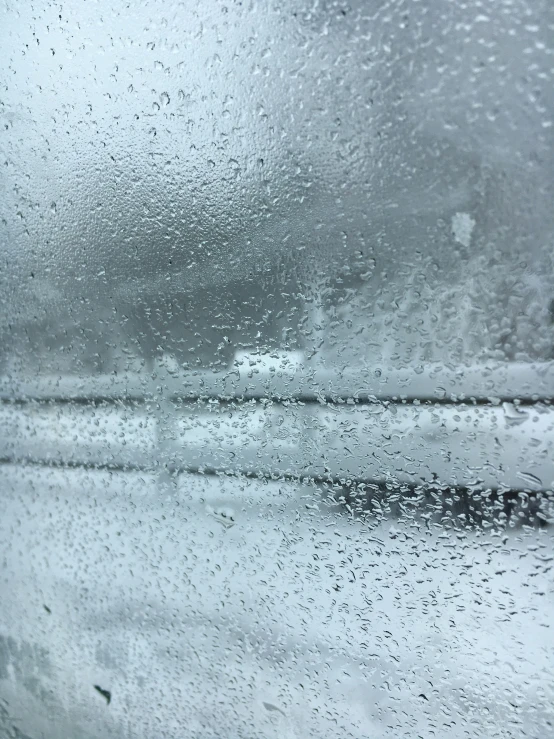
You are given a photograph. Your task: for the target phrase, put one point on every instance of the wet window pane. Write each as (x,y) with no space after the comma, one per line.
(276,369)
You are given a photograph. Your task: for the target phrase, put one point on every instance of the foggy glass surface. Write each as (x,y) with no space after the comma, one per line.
(276,369)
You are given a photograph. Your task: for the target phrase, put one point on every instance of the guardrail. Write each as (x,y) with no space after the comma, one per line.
(282,376)
(340,426)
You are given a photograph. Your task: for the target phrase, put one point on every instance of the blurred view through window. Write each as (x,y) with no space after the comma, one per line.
(276,369)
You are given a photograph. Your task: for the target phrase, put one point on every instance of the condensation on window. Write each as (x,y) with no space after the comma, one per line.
(276,369)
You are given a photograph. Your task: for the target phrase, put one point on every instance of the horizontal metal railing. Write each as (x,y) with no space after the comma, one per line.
(295,422)
(276,376)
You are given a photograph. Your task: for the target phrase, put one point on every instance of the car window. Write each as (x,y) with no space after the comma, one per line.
(276,369)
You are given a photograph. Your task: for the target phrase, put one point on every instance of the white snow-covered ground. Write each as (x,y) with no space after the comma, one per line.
(230,607)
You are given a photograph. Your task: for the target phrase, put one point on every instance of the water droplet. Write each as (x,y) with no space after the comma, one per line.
(531,479)
(272,707)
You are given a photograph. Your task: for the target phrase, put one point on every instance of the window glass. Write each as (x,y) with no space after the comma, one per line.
(276,369)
